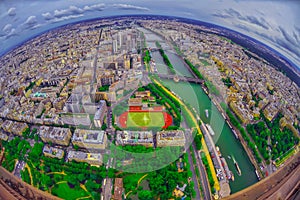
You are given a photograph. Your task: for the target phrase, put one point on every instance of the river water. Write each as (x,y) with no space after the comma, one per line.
(196,97)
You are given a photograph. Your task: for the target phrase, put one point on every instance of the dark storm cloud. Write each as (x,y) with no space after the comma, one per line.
(296,37)
(259,22)
(287,45)
(234,13)
(285,41)
(221,15)
(286,36)
(241,26)
(231,13)
(289,41)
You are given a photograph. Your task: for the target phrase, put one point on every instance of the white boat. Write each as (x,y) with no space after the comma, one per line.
(206,113)
(210,130)
(237,167)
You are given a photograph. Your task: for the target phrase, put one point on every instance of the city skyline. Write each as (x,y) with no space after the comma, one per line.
(277,28)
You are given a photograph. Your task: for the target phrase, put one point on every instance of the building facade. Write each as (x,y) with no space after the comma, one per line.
(90,139)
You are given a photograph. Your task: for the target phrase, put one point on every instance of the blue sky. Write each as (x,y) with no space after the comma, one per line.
(275,23)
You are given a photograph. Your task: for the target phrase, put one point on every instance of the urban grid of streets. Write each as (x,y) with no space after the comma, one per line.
(73,64)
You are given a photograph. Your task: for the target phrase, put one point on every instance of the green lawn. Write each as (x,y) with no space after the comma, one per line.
(65,192)
(145,119)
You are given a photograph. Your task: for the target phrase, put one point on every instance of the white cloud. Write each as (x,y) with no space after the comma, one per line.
(55,20)
(30,21)
(130,7)
(11,11)
(12,33)
(36,26)
(7,28)
(47,16)
(69,11)
(99,7)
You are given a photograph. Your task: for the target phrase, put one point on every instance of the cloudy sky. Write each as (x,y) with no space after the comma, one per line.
(273,22)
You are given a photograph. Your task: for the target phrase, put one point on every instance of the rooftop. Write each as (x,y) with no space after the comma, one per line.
(88,136)
(53,132)
(131,137)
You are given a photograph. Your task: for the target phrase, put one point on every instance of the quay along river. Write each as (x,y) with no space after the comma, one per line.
(192,93)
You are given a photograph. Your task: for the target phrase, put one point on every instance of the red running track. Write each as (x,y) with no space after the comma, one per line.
(124,116)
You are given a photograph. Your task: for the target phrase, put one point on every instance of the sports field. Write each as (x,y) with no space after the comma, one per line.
(145,119)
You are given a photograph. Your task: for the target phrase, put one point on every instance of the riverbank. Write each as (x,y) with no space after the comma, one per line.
(239,137)
(197,96)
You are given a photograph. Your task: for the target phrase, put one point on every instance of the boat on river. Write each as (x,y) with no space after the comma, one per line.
(206,113)
(237,167)
(210,130)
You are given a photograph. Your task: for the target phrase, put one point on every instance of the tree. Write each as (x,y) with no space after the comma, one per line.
(104,126)
(46,180)
(72,181)
(26,133)
(81,178)
(141,89)
(145,195)
(76,147)
(37,150)
(34,131)
(90,185)
(36,138)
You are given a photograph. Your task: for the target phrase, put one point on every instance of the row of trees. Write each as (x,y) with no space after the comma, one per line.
(208,172)
(211,87)
(137,148)
(197,139)
(171,104)
(194,69)
(244,134)
(259,134)
(165,58)
(207,83)
(147,57)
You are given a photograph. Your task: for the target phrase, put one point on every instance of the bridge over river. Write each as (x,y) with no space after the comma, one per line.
(181,78)
(153,49)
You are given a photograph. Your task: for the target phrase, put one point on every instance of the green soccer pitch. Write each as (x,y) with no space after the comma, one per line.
(145,119)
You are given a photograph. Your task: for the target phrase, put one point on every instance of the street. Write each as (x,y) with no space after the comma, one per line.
(192,168)
(106,189)
(203,177)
